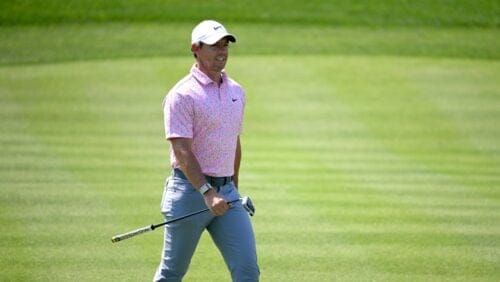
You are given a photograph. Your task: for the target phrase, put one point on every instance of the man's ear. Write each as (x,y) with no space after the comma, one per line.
(195,47)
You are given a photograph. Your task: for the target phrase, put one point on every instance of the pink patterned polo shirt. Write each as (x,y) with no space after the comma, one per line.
(211,115)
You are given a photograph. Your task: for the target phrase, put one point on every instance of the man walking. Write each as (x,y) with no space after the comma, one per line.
(203,115)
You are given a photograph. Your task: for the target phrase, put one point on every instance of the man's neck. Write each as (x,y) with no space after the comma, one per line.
(214,76)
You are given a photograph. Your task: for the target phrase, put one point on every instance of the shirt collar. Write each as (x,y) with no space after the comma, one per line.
(202,77)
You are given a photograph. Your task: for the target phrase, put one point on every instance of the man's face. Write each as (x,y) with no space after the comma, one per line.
(212,58)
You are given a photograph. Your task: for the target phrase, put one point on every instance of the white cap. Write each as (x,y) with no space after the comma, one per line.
(209,32)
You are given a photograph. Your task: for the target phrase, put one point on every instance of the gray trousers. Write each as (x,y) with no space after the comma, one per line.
(232,232)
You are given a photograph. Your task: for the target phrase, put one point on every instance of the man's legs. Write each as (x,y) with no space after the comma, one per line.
(178,250)
(181,238)
(233,235)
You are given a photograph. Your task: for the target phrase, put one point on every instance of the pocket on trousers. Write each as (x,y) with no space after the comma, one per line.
(230,192)
(179,197)
(166,199)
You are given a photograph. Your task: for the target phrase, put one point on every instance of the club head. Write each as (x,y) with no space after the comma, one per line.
(247,204)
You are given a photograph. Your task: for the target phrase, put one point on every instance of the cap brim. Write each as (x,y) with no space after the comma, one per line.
(213,39)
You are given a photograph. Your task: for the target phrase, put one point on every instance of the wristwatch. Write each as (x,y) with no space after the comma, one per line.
(204,189)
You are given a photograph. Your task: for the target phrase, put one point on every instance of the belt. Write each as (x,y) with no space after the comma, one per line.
(213,180)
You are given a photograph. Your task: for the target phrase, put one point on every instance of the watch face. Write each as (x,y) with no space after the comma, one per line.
(204,188)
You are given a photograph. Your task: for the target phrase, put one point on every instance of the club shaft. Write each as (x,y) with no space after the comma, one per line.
(177,219)
(184,216)
(145,229)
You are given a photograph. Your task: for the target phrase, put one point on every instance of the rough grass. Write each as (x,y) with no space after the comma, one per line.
(483,13)
(49,31)
(42,44)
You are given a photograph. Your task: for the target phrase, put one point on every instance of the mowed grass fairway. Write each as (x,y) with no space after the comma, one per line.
(373,157)
(361,168)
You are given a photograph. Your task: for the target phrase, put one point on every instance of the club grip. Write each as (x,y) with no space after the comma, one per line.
(133,233)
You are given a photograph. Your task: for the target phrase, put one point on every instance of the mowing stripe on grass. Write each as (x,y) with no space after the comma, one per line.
(290,12)
(361,168)
(118,40)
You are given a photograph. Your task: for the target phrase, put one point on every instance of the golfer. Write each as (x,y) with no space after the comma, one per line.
(203,116)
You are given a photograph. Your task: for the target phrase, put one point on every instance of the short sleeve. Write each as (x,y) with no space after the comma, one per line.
(178,116)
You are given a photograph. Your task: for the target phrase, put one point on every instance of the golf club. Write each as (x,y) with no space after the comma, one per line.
(245,201)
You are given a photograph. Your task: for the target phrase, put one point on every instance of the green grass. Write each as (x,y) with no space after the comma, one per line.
(388,170)
(42,44)
(370,139)
(53,31)
(482,13)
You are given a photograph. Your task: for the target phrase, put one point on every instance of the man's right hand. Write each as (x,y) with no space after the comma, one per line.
(215,202)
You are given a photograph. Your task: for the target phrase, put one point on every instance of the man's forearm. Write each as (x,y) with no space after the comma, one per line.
(188,162)
(191,168)
(237,162)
